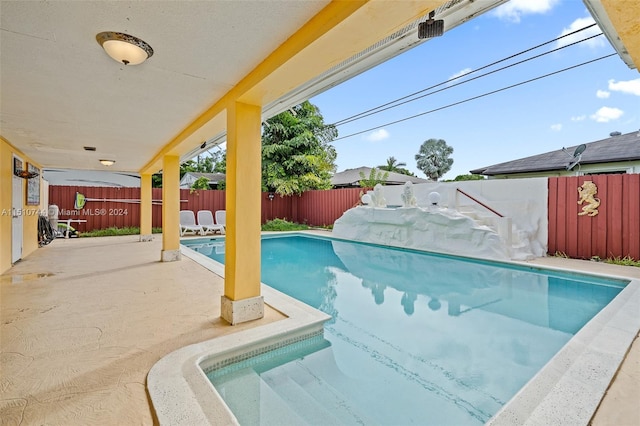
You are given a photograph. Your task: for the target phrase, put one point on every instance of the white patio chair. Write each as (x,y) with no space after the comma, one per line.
(221,218)
(205,219)
(188,223)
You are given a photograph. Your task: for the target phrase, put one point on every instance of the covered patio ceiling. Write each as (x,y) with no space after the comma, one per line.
(61,92)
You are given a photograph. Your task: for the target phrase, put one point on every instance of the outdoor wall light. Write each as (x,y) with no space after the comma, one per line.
(271,196)
(107,162)
(124,48)
(431,27)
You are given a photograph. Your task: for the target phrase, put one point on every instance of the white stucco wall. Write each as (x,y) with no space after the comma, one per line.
(523,202)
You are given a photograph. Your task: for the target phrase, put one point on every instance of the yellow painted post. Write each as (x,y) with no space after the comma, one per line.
(170,208)
(145,208)
(242,301)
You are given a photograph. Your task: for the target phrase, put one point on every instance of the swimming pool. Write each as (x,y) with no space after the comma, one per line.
(408,341)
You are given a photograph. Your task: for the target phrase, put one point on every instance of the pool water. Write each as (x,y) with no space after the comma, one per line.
(414,338)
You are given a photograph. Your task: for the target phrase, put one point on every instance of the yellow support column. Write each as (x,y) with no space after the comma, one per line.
(145,208)
(242,300)
(170,208)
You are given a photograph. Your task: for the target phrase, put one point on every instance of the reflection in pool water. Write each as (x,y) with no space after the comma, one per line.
(414,338)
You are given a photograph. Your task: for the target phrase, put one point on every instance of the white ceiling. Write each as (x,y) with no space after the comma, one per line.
(60,91)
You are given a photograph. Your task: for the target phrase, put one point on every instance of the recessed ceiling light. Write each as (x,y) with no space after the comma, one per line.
(107,162)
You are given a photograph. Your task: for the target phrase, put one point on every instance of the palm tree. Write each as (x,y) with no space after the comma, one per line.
(393,166)
(433,158)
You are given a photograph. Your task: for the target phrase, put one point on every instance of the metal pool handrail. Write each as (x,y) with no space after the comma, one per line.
(479,202)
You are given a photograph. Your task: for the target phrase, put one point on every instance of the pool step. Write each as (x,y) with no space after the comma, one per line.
(301,381)
(305,405)
(284,396)
(254,402)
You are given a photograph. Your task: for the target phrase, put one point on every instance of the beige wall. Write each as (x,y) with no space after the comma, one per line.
(30,221)
(620,166)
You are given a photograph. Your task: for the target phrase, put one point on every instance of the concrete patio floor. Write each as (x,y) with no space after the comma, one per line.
(82,321)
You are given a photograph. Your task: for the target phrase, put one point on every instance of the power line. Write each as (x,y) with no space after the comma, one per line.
(353,117)
(476,97)
(363,115)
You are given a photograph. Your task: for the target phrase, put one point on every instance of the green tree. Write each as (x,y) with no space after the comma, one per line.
(460,178)
(187,166)
(156,180)
(375,177)
(202,164)
(433,158)
(220,160)
(296,155)
(200,183)
(395,166)
(205,164)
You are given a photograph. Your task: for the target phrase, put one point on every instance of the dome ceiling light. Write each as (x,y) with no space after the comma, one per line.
(124,48)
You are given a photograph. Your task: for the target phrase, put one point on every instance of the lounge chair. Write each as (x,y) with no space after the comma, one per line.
(188,223)
(221,218)
(205,219)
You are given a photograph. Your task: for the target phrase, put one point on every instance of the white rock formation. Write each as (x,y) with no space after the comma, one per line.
(434,229)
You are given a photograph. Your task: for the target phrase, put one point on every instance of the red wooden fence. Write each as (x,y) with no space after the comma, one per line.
(614,232)
(316,208)
(324,207)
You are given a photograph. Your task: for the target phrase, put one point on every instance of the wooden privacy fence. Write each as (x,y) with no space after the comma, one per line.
(613,232)
(120,207)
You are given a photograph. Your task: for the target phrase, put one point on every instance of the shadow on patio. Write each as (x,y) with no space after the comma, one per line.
(84,320)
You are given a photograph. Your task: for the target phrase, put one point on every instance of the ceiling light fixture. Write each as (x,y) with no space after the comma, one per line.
(124,48)
(107,162)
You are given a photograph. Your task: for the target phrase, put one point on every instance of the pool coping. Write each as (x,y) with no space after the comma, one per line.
(567,390)
(181,393)
(570,387)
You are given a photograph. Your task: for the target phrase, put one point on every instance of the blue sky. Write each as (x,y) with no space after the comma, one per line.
(577,106)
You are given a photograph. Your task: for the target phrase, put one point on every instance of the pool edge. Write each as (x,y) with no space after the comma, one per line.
(570,387)
(179,390)
(567,390)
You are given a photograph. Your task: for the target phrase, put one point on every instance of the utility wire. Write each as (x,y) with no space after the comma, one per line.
(476,97)
(351,118)
(363,115)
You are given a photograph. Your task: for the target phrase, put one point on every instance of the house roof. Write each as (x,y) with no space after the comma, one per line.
(351,177)
(91,178)
(213,177)
(613,149)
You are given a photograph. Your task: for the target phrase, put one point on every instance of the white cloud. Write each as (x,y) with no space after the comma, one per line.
(556,127)
(458,74)
(513,10)
(631,87)
(603,94)
(578,118)
(576,25)
(377,135)
(606,114)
